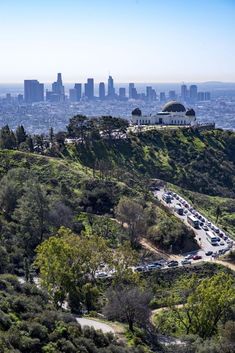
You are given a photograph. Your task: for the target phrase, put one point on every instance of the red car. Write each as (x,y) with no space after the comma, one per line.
(197,257)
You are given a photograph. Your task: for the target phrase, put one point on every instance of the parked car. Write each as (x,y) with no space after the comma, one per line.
(185,262)
(189,257)
(197,257)
(152,267)
(172,263)
(209,253)
(102,275)
(205,228)
(139,269)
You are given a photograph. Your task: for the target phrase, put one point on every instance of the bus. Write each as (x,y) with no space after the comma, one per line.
(193,221)
(212,238)
(167,198)
(178,209)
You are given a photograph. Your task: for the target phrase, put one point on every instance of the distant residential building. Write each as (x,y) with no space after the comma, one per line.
(89,88)
(122,92)
(102,91)
(33,91)
(193,93)
(207,96)
(131,87)
(111,89)
(172,95)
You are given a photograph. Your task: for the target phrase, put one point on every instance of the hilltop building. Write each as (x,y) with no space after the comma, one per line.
(173,113)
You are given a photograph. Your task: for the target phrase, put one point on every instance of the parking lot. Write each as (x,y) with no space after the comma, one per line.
(176,202)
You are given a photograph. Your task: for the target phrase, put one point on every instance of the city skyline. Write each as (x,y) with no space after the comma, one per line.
(142,41)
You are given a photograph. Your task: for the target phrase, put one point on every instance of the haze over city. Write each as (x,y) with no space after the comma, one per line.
(134,40)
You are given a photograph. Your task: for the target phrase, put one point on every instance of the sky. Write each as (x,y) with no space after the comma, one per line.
(133,40)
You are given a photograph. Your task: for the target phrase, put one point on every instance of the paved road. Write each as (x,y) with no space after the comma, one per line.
(97,325)
(199,233)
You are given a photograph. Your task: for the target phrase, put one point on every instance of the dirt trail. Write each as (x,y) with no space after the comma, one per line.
(149,246)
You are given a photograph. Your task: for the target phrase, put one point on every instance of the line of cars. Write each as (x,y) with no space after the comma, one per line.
(214,235)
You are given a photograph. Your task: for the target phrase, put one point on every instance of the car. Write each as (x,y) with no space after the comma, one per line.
(188,257)
(102,275)
(205,228)
(225,237)
(201,224)
(177,197)
(174,194)
(158,263)
(209,253)
(152,267)
(221,243)
(209,224)
(139,269)
(216,230)
(172,263)
(185,262)
(197,257)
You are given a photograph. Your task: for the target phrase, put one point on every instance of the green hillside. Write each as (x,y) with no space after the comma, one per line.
(202,161)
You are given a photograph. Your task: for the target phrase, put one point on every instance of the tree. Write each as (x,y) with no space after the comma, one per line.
(11,189)
(77,127)
(31,216)
(132,213)
(7,138)
(128,304)
(20,135)
(218,212)
(207,302)
(67,262)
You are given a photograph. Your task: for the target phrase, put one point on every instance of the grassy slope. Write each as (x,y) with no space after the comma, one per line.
(46,168)
(54,172)
(199,161)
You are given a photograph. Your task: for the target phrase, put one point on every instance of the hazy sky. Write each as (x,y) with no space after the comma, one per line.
(134,40)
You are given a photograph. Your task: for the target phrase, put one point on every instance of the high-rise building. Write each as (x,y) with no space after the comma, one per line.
(131,86)
(101,91)
(20,98)
(73,95)
(184,93)
(134,94)
(201,96)
(89,88)
(78,88)
(172,95)
(193,93)
(207,96)
(111,89)
(162,97)
(149,93)
(122,92)
(33,91)
(57,86)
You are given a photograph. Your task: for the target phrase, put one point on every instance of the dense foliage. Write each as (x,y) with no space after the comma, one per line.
(29,323)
